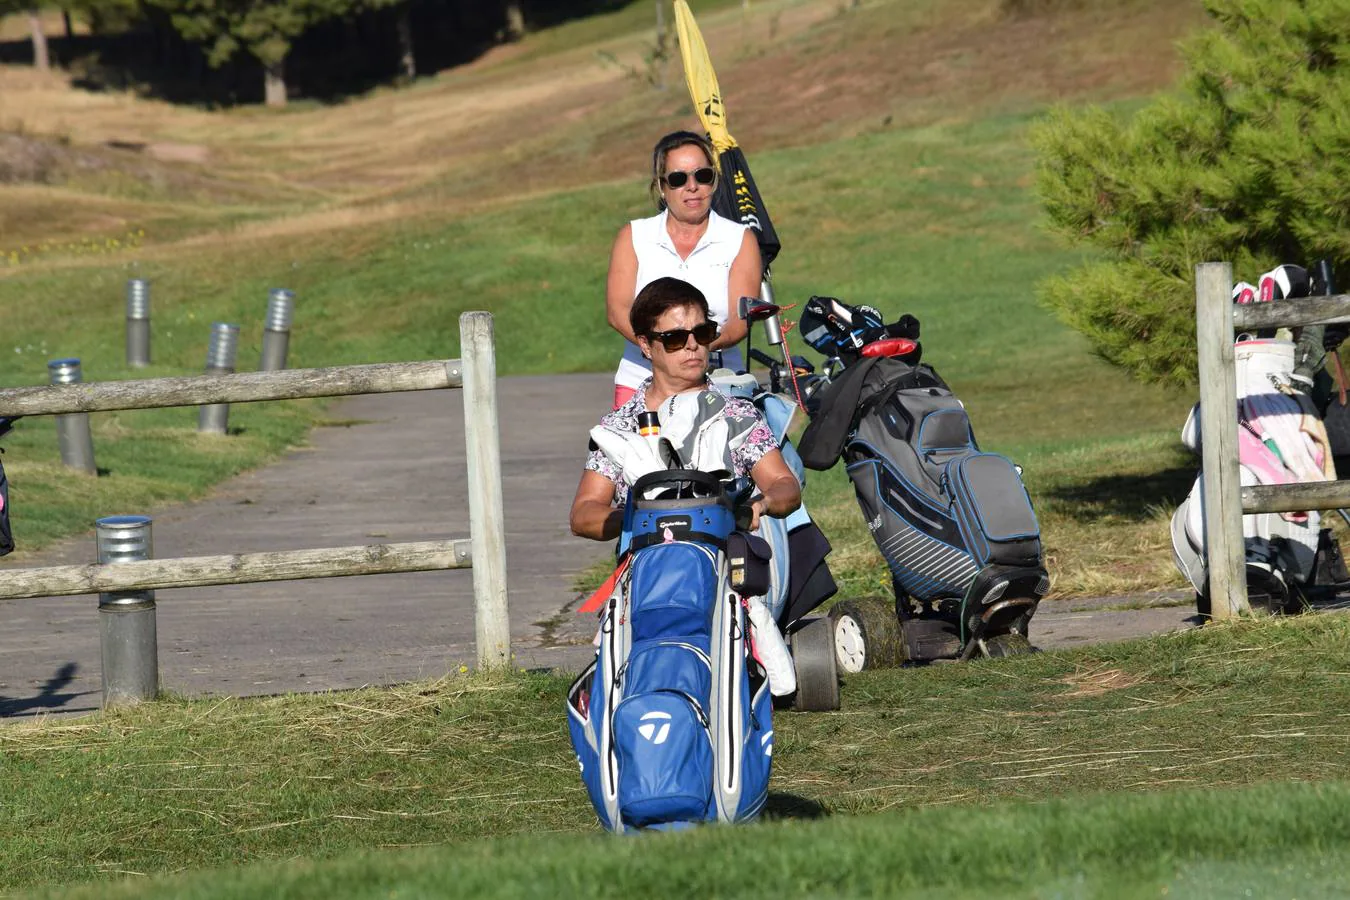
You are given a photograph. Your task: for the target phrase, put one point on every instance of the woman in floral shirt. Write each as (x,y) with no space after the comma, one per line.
(670,319)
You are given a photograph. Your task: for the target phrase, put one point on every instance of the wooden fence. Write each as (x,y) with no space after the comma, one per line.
(484,551)
(1217,319)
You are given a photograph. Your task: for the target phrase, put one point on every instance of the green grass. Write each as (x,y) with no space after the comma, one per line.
(1285,840)
(1068,772)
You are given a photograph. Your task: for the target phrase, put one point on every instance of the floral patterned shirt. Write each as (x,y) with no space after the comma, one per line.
(758,442)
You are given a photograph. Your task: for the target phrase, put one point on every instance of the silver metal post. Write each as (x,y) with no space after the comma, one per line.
(214,418)
(487,531)
(277,330)
(72,429)
(127,633)
(138,323)
(773,326)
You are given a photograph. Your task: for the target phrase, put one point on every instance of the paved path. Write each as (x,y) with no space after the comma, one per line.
(395,473)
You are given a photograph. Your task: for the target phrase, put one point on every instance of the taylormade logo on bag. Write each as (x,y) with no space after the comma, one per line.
(653,733)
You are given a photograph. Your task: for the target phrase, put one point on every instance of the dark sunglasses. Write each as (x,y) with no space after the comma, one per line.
(676,339)
(677,179)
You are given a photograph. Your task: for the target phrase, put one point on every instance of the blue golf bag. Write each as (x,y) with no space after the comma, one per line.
(672,722)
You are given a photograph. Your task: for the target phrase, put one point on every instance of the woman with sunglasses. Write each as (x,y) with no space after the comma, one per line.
(674,331)
(684,240)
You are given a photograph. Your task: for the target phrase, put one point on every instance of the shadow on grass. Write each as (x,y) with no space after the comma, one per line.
(1134,497)
(781,805)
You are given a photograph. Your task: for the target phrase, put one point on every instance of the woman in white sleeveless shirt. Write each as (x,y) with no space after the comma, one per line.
(685,240)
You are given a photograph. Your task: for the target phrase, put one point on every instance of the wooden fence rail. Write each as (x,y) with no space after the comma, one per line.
(1217,319)
(484,550)
(239,568)
(244,387)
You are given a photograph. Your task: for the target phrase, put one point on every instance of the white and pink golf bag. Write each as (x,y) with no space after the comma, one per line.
(1281,440)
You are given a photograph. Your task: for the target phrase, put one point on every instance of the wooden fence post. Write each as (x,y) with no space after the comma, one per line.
(487,532)
(1221,487)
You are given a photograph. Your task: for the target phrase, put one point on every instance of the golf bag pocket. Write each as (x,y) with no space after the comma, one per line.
(669,664)
(750,561)
(945,429)
(927,424)
(923,544)
(665,759)
(672,590)
(585,710)
(756,751)
(994,510)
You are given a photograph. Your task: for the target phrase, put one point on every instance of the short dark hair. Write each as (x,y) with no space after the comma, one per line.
(659,296)
(674,141)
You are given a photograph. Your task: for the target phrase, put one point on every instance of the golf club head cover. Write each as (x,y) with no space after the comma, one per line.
(1284,282)
(1244,293)
(633,454)
(682,415)
(904,327)
(700,428)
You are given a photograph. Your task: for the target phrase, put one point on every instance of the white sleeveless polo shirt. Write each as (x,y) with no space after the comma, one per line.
(707,268)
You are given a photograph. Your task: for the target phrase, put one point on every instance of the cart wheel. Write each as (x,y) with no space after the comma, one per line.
(813,655)
(866,635)
(1008,644)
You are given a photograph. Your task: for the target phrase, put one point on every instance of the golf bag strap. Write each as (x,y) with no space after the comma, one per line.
(919,376)
(823,440)
(597,600)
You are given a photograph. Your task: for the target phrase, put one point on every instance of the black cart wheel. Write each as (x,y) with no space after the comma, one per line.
(817,678)
(866,635)
(1008,644)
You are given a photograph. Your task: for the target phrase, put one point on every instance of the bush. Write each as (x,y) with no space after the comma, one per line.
(1249,161)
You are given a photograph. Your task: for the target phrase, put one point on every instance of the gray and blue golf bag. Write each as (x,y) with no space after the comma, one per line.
(954,523)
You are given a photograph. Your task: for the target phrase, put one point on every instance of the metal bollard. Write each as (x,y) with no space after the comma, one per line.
(72,429)
(214,418)
(138,322)
(127,635)
(277,330)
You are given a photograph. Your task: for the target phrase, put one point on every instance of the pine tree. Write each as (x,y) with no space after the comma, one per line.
(1248,161)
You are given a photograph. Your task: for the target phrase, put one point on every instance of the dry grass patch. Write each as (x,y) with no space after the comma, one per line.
(1096,681)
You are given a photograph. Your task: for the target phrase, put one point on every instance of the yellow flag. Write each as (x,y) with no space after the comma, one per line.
(702,80)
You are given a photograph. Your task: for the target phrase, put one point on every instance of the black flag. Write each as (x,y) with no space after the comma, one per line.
(738,199)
